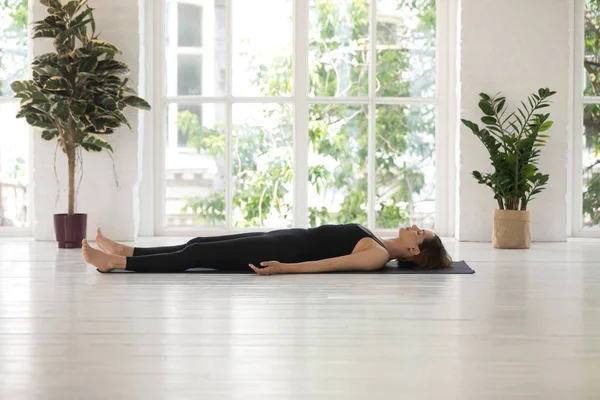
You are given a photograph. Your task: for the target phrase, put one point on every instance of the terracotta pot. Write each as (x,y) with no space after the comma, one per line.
(70,230)
(512,229)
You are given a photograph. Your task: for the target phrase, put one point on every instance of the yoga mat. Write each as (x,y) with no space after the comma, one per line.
(458,267)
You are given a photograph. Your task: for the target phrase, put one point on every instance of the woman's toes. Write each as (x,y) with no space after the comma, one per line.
(84,249)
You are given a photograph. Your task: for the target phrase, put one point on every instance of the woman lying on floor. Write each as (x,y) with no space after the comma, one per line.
(347,247)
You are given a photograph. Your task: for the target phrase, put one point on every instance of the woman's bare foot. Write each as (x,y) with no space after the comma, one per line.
(101,260)
(112,247)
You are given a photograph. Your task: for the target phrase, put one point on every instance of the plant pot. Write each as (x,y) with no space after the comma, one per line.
(70,230)
(512,229)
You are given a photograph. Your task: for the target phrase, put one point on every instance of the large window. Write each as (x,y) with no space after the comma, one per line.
(282,113)
(586,179)
(14,134)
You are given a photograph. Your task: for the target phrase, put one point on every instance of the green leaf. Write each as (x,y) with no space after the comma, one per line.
(94,143)
(49,70)
(121,118)
(53,21)
(80,5)
(49,134)
(106,102)
(136,102)
(87,75)
(500,106)
(82,19)
(60,110)
(87,64)
(71,7)
(23,86)
(80,25)
(56,11)
(546,125)
(28,102)
(44,58)
(40,121)
(484,96)
(62,42)
(486,107)
(57,83)
(46,33)
(488,120)
(112,67)
(23,112)
(471,125)
(103,46)
(78,107)
(54,4)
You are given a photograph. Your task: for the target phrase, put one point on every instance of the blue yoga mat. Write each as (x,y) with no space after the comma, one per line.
(458,267)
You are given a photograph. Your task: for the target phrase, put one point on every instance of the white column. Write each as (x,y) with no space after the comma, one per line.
(114,210)
(513,47)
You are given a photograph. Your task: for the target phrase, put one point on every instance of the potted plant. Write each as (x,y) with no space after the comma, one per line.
(77,96)
(513,142)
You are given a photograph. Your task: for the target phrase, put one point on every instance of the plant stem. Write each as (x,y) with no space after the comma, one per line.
(68,145)
(71,160)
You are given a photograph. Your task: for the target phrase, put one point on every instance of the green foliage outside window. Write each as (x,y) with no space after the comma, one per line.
(591,117)
(333,127)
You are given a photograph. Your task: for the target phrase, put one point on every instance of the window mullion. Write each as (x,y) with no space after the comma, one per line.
(444,206)
(371,164)
(158,110)
(229,123)
(301,114)
(576,187)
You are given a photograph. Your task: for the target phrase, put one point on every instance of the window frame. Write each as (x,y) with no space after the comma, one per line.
(27,230)
(445,103)
(578,100)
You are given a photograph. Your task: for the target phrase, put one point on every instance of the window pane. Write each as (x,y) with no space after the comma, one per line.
(406,48)
(196,48)
(195,165)
(338,48)
(14,150)
(591,165)
(405,166)
(13,43)
(262,47)
(189,75)
(591,61)
(337,164)
(190,17)
(262,165)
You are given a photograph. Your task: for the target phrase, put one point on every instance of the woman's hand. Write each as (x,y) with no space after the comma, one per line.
(269,268)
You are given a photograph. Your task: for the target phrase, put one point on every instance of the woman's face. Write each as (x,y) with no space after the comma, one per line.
(412,237)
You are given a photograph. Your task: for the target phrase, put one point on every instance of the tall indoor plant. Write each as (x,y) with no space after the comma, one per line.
(513,142)
(77,95)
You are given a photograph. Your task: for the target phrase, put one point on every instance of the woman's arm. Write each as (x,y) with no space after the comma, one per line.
(366,260)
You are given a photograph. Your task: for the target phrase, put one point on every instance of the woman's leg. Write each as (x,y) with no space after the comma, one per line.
(233,254)
(144,251)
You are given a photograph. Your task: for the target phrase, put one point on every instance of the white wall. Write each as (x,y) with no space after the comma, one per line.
(115,211)
(513,47)
(509,46)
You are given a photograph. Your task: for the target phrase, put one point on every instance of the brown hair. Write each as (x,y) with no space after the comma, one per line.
(432,255)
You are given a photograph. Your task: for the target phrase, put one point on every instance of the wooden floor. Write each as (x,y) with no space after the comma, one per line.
(525,326)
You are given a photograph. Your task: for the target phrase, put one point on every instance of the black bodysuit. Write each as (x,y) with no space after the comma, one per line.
(235,252)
